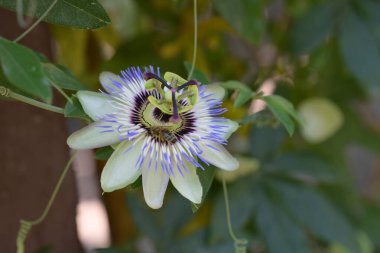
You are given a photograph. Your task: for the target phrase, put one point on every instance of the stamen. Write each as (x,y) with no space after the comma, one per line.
(191,82)
(149,75)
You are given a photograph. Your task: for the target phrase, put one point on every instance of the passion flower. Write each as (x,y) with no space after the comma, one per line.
(161,128)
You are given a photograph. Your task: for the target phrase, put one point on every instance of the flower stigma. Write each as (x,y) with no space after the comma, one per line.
(175,85)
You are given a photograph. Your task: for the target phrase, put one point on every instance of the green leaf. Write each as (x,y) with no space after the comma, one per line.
(245,93)
(62,79)
(266,141)
(370,222)
(314,27)
(372,9)
(86,14)
(360,50)
(104,153)
(119,249)
(136,184)
(156,224)
(303,165)
(206,177)
(247,17)
(75,110)
(197,74)
(45,249)
(281,233)
(240,195)
(314,211)
(284,111)
(22,68)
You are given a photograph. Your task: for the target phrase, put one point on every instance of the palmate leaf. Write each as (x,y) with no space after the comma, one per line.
(280,232)
(314,27)
(85,14)
(314,211)
(360,50)
(22,68)
(304,166)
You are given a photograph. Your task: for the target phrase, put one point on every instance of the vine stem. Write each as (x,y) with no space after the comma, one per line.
(195,41)
(19,9)
(10,94)
(27,225)
(240,244)
(62,92)
(37,22)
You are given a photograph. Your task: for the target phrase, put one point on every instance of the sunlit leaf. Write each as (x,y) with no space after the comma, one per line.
(86,14)
(22,68)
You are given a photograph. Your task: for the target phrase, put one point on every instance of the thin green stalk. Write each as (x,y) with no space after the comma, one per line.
(27,225)
(240,244)
(10,94)
(195,41)
(19,11)
(37,22)
(62,92)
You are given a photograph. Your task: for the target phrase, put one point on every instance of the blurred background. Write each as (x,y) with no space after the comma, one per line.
(317,191)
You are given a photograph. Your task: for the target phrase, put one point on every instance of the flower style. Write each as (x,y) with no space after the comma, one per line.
(160,127)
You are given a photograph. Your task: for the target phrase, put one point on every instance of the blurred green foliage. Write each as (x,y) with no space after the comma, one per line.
(306,196)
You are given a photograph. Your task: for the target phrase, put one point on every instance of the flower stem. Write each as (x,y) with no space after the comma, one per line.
(37,22)
(27,225)
(20,18)
(240,244)
(62,92)
(195,41)
(10,94)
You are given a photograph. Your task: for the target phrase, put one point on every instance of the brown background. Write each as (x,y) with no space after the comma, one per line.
(33,153)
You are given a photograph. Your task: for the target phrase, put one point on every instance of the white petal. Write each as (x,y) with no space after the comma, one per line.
(188,184)
(219,156)
(154,186)
(108,79)
(120,169)
(218,91)
(230,127)
(95,104)
(92,136)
